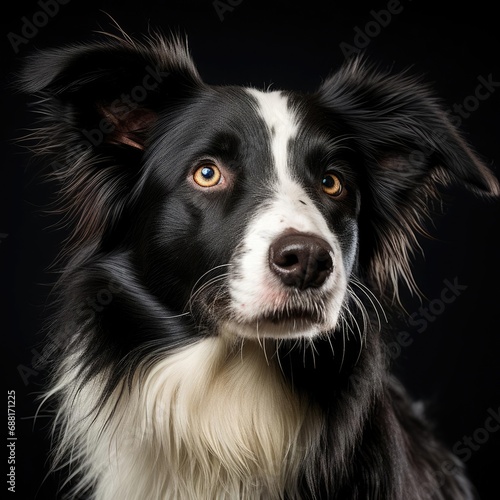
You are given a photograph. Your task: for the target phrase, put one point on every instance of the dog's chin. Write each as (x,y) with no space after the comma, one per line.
(278,326)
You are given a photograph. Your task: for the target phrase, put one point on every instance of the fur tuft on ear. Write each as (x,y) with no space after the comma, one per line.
(97,107)
(408,147)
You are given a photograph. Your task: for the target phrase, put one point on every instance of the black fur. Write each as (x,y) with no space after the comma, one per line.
(142,239)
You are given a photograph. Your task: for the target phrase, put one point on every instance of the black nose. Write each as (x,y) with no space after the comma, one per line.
(301,260)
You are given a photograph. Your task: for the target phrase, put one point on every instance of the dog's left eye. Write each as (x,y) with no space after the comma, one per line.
(207,175)
(332,185)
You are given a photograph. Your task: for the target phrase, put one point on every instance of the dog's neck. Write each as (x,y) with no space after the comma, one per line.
(214,416)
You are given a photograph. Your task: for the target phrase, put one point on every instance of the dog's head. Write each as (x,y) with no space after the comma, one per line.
(255,210)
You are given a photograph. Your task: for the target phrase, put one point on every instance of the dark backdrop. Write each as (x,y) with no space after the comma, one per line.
(448,352)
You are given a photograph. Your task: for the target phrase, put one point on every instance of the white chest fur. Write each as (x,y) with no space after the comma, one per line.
(210,421)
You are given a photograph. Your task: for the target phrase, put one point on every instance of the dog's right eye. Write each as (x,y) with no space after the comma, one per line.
(207,175)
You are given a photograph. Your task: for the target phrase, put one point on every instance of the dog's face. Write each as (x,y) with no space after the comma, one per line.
(253,211)
(289,273)
(253,222)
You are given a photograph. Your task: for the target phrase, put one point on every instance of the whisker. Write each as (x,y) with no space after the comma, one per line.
(329,339)
(361,336)
(308,343)
(364,313)
(241,348)
(195,292)
(262,343)
(205,274)
(211,281)
(371,297)
(277,354)
(343,329)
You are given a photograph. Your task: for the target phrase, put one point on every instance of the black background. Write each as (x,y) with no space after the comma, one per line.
(452,360)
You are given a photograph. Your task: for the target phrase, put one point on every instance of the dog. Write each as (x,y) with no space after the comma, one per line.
(235,260)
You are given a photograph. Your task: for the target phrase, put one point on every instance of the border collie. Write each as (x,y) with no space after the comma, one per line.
(220,330)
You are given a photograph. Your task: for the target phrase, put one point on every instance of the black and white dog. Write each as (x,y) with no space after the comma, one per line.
(220,331)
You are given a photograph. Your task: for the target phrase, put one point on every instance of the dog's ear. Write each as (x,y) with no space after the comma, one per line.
(408,146)
(106,93)
(97,106)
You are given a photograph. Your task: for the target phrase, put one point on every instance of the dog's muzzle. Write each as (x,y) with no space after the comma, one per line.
(290,286)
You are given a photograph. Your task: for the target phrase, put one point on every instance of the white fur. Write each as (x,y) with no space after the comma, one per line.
(211,421)
(255,291)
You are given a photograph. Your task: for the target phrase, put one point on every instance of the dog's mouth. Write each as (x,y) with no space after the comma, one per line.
(294,315)
(280,315)
(290,322)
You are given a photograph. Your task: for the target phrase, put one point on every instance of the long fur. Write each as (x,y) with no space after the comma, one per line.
(156,395)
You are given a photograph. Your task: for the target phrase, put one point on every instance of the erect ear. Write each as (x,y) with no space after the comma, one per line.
(107,93)
(409,146)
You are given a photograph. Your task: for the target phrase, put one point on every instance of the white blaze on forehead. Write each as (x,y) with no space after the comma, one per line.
(282,124)
(290,206)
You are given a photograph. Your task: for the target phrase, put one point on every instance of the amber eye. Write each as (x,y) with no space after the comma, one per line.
(332,185)
(207,175)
